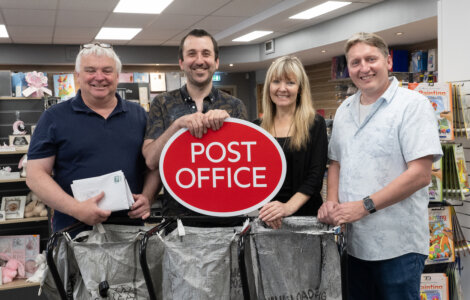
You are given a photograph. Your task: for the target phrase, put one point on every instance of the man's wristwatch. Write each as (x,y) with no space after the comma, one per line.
(369,205)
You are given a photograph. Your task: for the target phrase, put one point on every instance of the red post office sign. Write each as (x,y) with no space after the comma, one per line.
(228,172)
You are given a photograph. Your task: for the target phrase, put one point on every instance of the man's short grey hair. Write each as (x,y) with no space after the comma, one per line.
(370,39)
(98,51)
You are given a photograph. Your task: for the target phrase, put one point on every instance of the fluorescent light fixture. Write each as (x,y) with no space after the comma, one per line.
(110,33)
(319,10)
(3,31)
(141,6)
(252,36)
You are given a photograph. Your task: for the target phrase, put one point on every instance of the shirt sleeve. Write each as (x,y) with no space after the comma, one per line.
(334,145)
(155,124)
(43,142)
(419,136)
(239,111)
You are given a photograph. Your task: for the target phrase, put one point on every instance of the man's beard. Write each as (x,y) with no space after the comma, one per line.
(201,84)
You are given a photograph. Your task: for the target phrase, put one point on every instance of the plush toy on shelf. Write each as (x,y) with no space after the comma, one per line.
(11,268)
(35,207)
(22,165)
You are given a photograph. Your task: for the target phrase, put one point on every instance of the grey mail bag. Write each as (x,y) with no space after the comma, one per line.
(197,265)
(110,255)
(298,261)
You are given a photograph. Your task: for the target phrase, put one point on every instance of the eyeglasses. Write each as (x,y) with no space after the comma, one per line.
(102,45)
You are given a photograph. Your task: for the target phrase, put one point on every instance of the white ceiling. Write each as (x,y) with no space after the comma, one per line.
(78,22)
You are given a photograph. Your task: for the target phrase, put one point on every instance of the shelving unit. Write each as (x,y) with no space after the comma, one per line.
(24,220)
(30,110)
(12,180)
(17,284)
(23,151)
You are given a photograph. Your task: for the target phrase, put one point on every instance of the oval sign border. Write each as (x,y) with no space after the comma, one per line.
(234,213)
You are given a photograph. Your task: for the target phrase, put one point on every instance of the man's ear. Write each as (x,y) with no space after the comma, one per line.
(217,64)
(389,63)
(180,61)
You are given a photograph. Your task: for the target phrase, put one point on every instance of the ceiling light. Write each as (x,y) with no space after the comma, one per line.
(141,6)
(230,65)
(109,33)
(252,36)
(319,10)
(323,51)
(399,33)
(3,31)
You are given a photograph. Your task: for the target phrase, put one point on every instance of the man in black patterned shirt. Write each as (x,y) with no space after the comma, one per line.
(196,106)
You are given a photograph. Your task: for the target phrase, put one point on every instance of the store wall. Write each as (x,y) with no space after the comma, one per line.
(454,40)
(245,83)
(454,65)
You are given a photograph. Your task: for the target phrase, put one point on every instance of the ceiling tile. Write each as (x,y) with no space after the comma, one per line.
(30,34)
(212,23)
(71,41)
(171,22)
(149,42)
(29,17)
(88,5)
(76,18)
(28,4)
(88,33)
(195,7)
(172,42)
(151,34)
(245,8)
(129,20)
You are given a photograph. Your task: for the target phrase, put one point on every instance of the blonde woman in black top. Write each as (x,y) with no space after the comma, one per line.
(289,115)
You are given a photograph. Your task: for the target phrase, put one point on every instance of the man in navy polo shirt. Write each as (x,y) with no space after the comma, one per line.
(92,134)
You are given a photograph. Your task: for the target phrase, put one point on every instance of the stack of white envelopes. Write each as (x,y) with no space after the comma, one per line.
(117,194)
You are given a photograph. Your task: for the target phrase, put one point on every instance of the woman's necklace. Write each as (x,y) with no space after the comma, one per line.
(287,136)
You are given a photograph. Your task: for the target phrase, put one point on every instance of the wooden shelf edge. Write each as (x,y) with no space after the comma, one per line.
(22,151)
(19,98)
(12,180)
(17,284)
(23,220)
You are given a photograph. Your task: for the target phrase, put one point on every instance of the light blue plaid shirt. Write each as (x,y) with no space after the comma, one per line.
(400,127)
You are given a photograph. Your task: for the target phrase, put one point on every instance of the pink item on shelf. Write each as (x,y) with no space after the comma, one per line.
(37,85)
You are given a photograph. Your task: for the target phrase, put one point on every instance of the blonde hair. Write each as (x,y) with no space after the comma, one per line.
(370,39)
(304,114)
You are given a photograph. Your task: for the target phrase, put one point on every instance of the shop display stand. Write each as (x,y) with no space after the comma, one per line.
(30,110)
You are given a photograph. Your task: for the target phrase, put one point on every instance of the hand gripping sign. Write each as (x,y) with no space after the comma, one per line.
(228,172)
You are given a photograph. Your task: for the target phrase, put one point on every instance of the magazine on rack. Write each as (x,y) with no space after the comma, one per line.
(441,243)
(434,286)
(440,95)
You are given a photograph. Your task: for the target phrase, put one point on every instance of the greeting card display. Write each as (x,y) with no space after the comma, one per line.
(64,86)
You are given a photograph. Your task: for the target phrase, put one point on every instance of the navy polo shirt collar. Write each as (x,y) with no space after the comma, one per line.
(214,93)
(79,105)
